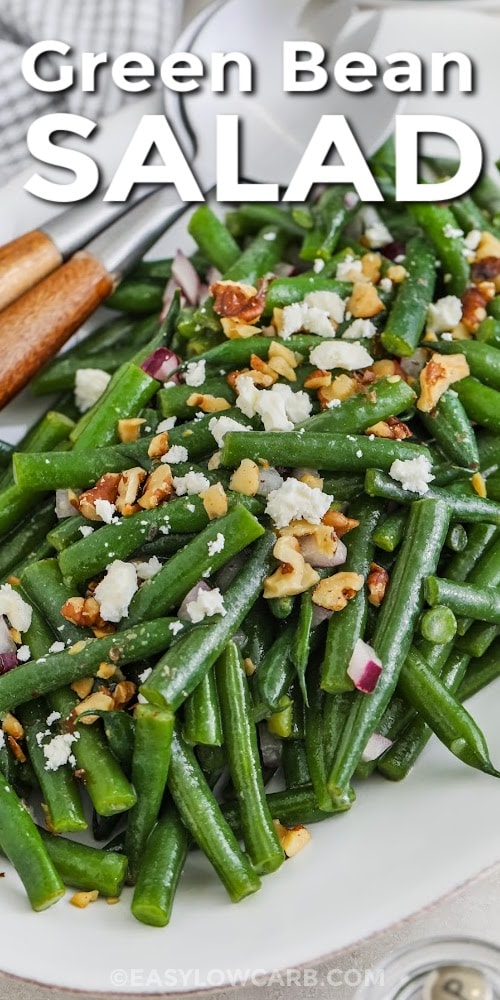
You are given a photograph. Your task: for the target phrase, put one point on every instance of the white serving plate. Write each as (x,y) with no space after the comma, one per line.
(399,848)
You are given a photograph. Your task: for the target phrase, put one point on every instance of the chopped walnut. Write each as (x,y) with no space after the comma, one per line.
(364,301)
(159,487)
(106,670)
(235,330)
(130,429)
(82,899)
(123,693)
(478,484)
(391,428)
(282,360)
(83,611)
(342,387)
(258,365)
(12,726)
(17,751)
(486,270)
(386,367)
(158,446)
(249,666)
(370,266)
(396,273)
(129,488)
(314,482)
(335,591)
(215,501)
(239,301)
(106,488)
(318,379)
(214,462)
(292,839)
(208,403)
(377,581)
(98,701)
(83,686)
(340,522)
(489,246)
(260,379)
(294,576)
(437,376)
(245,479)
(319,539)
(473,308)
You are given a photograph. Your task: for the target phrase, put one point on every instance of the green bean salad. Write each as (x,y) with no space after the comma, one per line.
(255,537)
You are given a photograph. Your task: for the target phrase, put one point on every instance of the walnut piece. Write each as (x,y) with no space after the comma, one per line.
(130,428)
(364,301)
(129,488)
(342,387)
(474,303)
(158,446)
(437,376)
(12,727)
(239,301)
(82,611)
(82,899)
(83,686)
(339,522)
(215,501)
(159,487)
(370,266)
(292,839)
(318,379)
(99,701)
(335,591)
(245,479)
(377,581)
(294,576)
(106,488)
(392,428)
(208,403)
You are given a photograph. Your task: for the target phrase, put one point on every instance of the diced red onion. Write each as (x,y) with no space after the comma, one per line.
(376,746)
(226,574)
(64,507)
(320,615)
(364,667)
(7,662)
(394,250)
(191,596)
(269,480)
(213,275)
(160,365)
(283,269)
(202,293)
(186,277)
(413,365)
(270,747)
(168,297)
(7,644)
(315,557)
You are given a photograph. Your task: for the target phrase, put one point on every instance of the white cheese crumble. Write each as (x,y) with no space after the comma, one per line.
(115,592)
(53,717)
(360,329)
(177,453)
(338,354)
(195,373)
(452,232)
(301,316)
(473,239)
(145,674)
(219,426)
(57,647)
(2,739)
(166,425)
(248,395)
(216,545)
(333,403)
(329,303)
(349,269)
(146,570)
(90,384)
(444,314)
(58,751)
(318,265)
(376,232)
(15,608)
(414,474)
(106,511)
(446,336)
(192,482)
(385,285)
(295,501)
(23,654)
(206,604)
(85,530)
(175,627)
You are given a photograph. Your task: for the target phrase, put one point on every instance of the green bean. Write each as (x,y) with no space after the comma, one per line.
(390,532)
(292,806)
(133,390)
(67,531)
(260,256)
(450,427)
(469,509)
(136,297)
(178,672)
(481,603)
(160,870)
(26,539)
(386,398)
(483,360)
(438,223)
(284,291)
(203,818)
(456,539)
(174,402)
(480,537)
(488,332)
(329,215)
(407,315)
(202,719)
(335,452)
(481,402)
(240,741)
(301,646)
(480,673)
(249,217)
(438,625)
(208,551)
(488,445)
(427,527)
(478,639)
(46,588)
(294,764)
(213,238)
(151,757)
(61,377)
(85,867)
(276,670)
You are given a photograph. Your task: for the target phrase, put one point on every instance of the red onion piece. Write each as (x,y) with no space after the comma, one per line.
(364,667)
(7,644)
(394,249)
(168,297)
(315,557)
(270,747)
(186,277)
(376,746)
(191,596)
(7,662)
(212,275)
(320,615)
(160,365)
(64,508)
(269,479)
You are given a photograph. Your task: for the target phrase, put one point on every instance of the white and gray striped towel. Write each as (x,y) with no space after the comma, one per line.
(113,26)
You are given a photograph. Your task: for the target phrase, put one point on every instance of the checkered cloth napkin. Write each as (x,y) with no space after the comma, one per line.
(112,26)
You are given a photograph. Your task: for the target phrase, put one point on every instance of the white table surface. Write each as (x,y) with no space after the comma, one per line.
(473,910)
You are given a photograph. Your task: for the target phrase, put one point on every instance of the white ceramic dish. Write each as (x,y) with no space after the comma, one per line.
(399,848)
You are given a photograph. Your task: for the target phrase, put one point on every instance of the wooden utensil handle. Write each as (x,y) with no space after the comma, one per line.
(24,262)
(33,328)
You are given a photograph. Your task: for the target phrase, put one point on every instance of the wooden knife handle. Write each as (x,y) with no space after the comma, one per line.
(24,262)
(33,328)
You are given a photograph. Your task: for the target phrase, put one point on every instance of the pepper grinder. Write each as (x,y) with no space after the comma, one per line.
(458,968)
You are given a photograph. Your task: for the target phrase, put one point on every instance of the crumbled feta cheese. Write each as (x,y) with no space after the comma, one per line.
(192,482)
(271,236)
(318,265)
(349,269)
(248,395)
(115,592)
(166,425)
(452,232)
(57,751)
(446,336)
(413,474)
(190,507)
(219,426)
(337,354)
(13,606)
(297,404)
(295,501)
(328,302)
(333,403)
(195,373)
(57,647)
(444,314)
(385,285)
(90,384)
(53,717)
(146,570)
(175,627)
(145,674)
(360,329)
(376,232)
(164,529)
(473,239)
(177,453)
(216,545)
(359,453)
(85,530)
(2,739)
(106,511)
(301,316)
(206,604)
(23,654)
